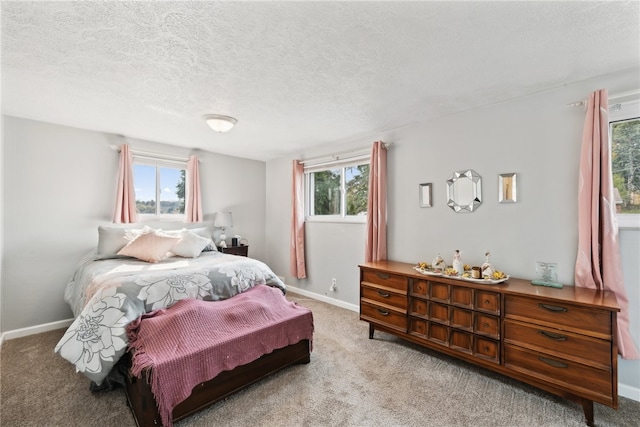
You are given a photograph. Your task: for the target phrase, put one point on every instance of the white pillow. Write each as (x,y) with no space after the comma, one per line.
(112,239)
(200,231)
(150,246)
(190,245)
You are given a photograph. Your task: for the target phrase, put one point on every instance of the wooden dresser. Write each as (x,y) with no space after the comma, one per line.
(559,340)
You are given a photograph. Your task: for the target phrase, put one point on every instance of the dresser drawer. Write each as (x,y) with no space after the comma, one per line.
(486,324)
(587,350)
(461,318)
(461,341)
(419,307)
(559,315)
(383,315)
(488,301)
(418,327)
(487,349)
(438,291)
(385,297)
(419,287)
(386,280)
(462,297)
(439,312)
(438,333)
(581,379)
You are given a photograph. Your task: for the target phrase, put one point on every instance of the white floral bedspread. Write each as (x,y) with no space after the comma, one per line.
(106,295)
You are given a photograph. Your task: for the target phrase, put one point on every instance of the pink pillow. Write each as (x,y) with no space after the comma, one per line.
(150,247)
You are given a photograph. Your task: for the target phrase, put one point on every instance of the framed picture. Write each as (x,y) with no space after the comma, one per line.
(425,195)
(507,188)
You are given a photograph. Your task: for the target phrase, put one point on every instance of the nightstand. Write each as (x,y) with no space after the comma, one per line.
(235,250)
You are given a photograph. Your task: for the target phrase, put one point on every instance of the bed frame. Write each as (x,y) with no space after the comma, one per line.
(143,404)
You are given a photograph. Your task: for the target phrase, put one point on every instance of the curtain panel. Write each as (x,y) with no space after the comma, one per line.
(376,243)
(125,209)
(298,266)
(598,264)
(193,198)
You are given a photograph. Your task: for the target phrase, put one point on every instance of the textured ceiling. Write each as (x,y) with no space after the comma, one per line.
(296,75)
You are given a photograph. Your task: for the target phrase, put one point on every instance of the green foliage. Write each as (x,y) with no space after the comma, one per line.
(326,194)
(357,190)
(625,161)
(180,190)
(326,190)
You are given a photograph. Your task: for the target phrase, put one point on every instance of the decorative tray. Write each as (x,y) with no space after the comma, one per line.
(468,279)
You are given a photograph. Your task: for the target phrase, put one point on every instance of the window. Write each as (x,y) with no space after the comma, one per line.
(624,132)
(337,192)
(159,187)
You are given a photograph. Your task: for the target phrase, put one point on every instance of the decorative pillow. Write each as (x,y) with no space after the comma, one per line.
(200,231)
(190,245)
(150,246)
(112,239)
(204,232)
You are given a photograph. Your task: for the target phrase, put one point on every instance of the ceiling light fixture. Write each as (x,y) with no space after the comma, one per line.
(220,123)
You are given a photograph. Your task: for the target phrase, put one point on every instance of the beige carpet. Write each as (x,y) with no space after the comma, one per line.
(351,381)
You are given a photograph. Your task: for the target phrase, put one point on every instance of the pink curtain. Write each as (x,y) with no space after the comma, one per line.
(376,244)
(598,263)
(125,211)
(298,268)
(193,199)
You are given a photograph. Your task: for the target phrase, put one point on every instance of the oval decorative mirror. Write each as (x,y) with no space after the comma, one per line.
(464,191)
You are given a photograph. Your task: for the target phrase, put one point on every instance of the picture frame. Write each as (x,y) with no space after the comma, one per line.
(507,188)
(425,195)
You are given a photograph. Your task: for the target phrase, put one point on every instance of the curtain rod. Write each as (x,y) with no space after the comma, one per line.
(153,156)
(352,155)
(615,96)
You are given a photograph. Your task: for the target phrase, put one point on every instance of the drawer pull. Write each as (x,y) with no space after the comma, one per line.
(485,325)
(485,348)
(383,312)
(487,301)
(557,337)
(553,308)
(383,276)
(553,363)
(383,294)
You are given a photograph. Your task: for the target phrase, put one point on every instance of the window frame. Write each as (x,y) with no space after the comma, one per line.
(158,163)
(620,112)
(337,164)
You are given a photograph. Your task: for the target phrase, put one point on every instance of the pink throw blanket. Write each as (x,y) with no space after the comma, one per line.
(193,340)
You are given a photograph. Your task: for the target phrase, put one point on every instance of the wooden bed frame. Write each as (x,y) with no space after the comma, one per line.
(143,404)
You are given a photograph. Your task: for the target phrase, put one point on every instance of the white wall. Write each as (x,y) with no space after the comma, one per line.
(1,217)
(60,185)
(537,137)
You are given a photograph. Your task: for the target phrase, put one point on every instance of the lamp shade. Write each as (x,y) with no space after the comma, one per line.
(223,219)
(220,123)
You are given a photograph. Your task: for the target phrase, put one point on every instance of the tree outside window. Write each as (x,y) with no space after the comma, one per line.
(625,161)
(338,192)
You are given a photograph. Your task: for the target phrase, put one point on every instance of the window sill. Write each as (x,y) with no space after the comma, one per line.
(337,219)
(628,221)
(165,217)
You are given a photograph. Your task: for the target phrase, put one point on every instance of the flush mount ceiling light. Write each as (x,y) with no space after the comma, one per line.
(220,123)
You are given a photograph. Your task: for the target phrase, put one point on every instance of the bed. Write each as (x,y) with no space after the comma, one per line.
(115,285)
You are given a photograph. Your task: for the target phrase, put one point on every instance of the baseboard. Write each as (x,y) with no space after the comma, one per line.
(324,298)
(32,330)
(629,392)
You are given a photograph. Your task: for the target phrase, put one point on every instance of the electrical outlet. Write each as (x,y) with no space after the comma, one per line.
(333,285)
